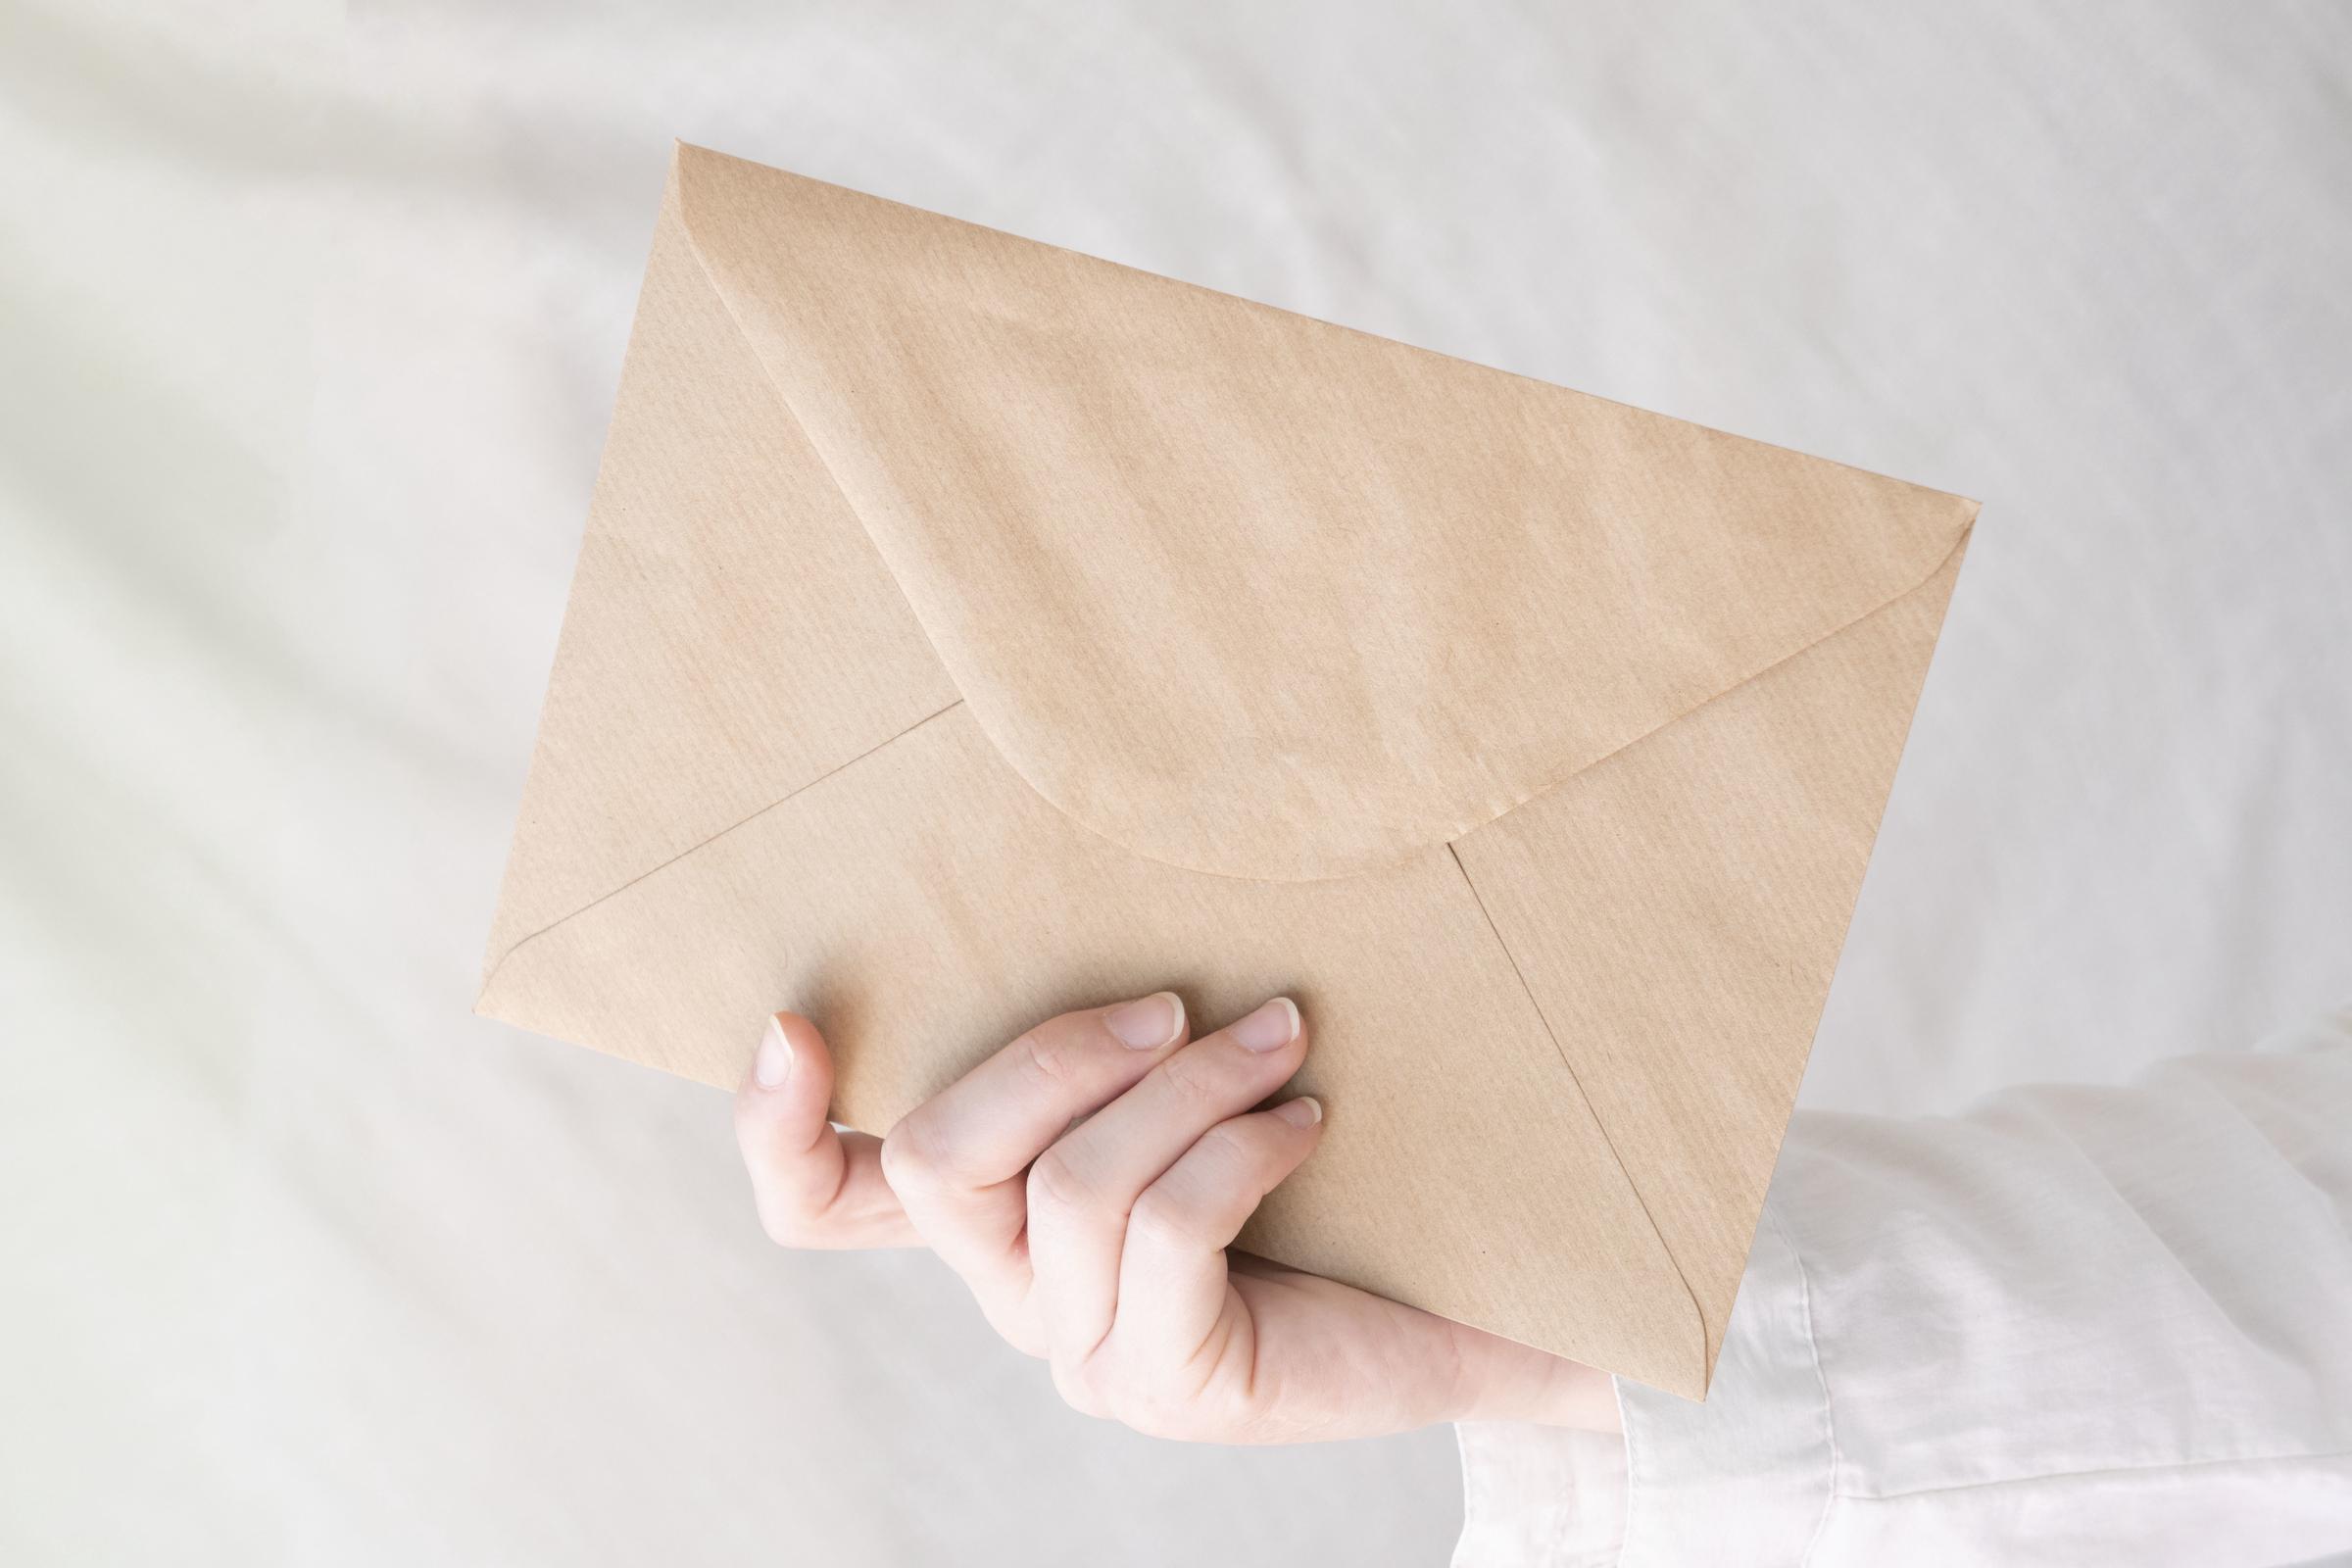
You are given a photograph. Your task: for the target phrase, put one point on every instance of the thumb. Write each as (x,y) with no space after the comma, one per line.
(815,1186)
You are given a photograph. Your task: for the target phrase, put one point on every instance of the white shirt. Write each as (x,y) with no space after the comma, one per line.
(2072,1325)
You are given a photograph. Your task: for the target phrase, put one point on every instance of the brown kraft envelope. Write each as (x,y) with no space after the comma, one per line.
(968,630)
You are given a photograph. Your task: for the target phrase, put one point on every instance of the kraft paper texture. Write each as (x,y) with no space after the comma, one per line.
(967,630)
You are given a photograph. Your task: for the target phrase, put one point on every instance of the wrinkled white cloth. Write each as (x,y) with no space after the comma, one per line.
(2072,1325)
(310,319)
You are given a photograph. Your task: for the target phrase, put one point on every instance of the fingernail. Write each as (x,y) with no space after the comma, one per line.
(1270,1028)
(774,1064)
(1304,1111)
(1148,1024)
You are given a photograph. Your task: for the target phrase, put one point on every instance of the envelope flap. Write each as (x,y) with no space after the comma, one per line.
(1255,594)
(702,674)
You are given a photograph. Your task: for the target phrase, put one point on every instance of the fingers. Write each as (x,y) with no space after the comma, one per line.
(958,1161)
(814,1187)
(1173,1279)
(1082,1189)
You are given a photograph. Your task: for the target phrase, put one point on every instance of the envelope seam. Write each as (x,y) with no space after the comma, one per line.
(1450,835)
(776,389)
(1610,1143)
(1959,544)
(699,844)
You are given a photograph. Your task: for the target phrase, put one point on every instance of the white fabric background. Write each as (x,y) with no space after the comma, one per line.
(309,328)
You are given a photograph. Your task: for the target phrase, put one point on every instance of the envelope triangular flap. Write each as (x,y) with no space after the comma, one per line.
(1253,594)
(724,598)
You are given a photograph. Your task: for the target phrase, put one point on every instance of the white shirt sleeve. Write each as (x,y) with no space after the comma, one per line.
(2072,1325)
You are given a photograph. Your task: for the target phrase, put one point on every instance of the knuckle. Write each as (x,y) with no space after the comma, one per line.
(1020,1331)
(1015,1326)
(1049,1057)
(782,1223)
(912,1161)
(1157,1406)
(1201,1077)
(1152,1393)
(1080,1388)
(1158,1420)
(1054,1184)
(1162,1215)
(1226,1150)
(1222,1421)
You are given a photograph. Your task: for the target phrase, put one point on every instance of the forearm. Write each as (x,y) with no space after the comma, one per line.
(1500,1381)
(2073,1323)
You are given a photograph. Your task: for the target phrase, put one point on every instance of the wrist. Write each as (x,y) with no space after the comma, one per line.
(1504,1381)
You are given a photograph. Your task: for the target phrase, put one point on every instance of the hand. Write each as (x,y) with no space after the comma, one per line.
(1086,1181)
